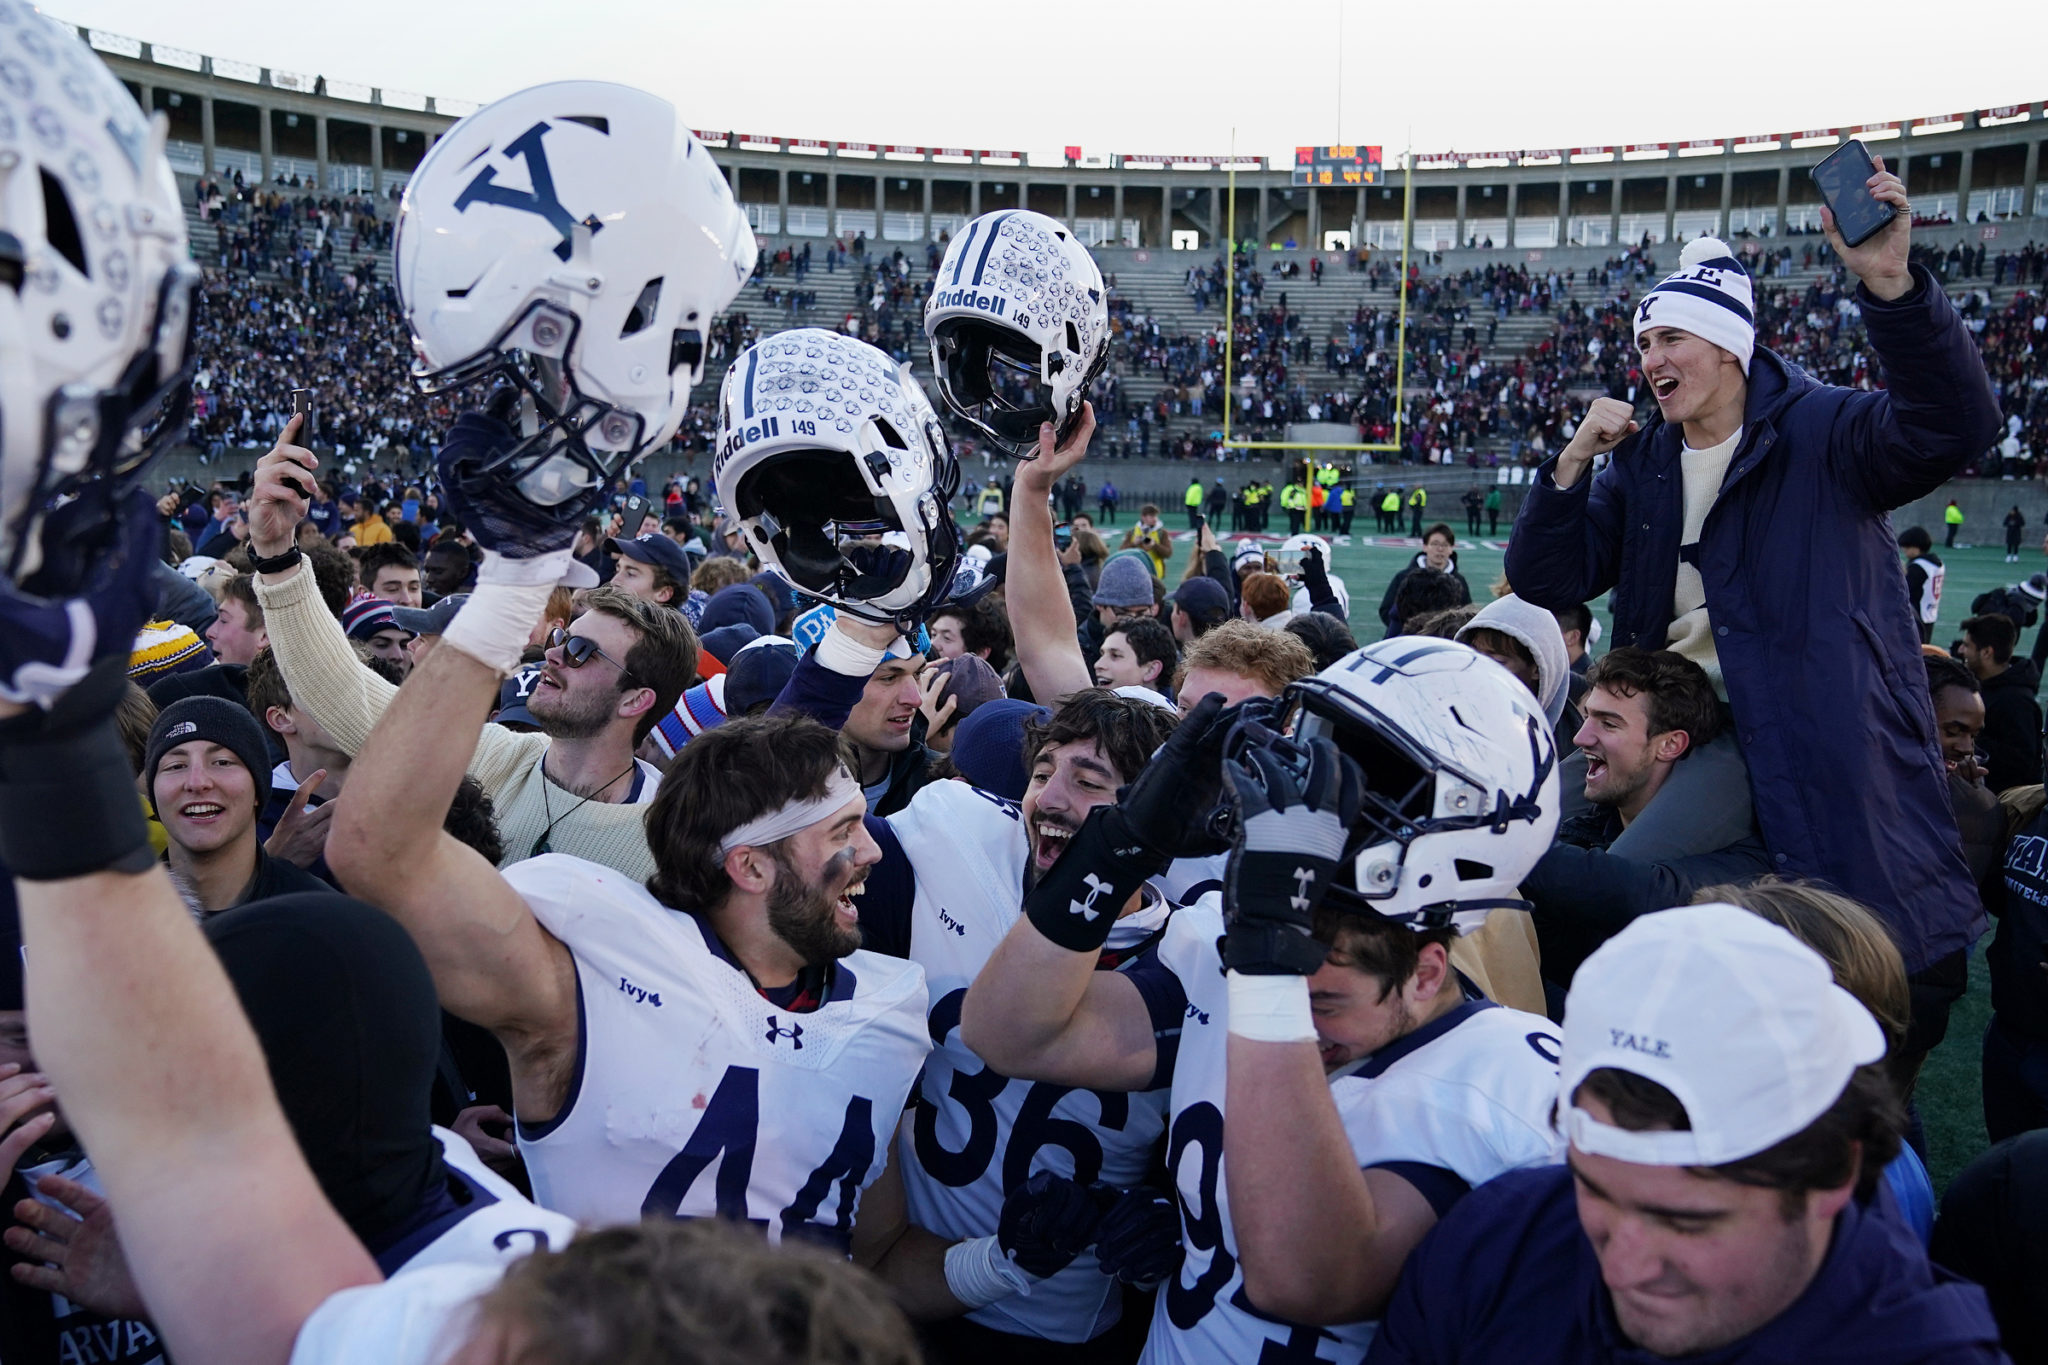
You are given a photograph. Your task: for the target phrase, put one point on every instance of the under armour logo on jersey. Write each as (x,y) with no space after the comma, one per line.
(795,1034)
(1086,908)
(541,199)
(1304,878)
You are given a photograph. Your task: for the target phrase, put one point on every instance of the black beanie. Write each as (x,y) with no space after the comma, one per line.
(217,721)
(343,1005)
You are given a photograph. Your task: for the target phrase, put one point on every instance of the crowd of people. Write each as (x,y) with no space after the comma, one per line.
(490,910)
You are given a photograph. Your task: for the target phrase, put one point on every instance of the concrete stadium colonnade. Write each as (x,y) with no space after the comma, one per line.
(348,138)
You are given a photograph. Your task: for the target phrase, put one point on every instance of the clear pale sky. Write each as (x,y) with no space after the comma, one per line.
(1145,75)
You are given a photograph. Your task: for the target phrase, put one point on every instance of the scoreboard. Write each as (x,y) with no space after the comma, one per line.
(1337,166)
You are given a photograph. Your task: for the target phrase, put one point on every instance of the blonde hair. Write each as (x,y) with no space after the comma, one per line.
(1271,658)
(720,571)
(1852,940)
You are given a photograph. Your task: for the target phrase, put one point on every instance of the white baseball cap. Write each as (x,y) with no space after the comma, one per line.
(1738,1019)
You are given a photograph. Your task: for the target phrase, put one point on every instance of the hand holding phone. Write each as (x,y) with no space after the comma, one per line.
(302,408)
(1843,181)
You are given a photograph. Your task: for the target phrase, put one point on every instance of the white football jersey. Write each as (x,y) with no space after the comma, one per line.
(418,1319)
(693,1096)
(977,1135)
(1470,1095)
(493,1223)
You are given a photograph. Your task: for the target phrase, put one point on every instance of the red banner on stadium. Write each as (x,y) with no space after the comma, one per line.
(1937,121)
(1003,156)
(2004,111)
(1592,151)
(899,150)
(1635,147)
(756,139)
(1073,153)
(1759,140)
(960,152)
(867,148)
(1699,144)
(1817,132)
(706,135)
(1860,129)
(806,144)
(1543,154)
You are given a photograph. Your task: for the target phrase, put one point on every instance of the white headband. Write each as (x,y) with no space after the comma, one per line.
(793,816)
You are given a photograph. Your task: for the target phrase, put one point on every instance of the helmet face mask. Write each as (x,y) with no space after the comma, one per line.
(1018,321)
(1460,779)
(571,243)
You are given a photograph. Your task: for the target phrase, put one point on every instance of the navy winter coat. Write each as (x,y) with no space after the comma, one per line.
(1818,645)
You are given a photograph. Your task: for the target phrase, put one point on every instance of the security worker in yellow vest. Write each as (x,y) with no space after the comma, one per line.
(1417,501)
(1294,502)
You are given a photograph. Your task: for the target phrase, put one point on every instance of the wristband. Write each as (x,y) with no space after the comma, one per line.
(978,1273)
(1270,1009)
(68,805)
(1076,904)
(498,619)
(276,563)
(848,657)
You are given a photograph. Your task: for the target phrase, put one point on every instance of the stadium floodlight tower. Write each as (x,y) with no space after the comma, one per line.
(1314,165)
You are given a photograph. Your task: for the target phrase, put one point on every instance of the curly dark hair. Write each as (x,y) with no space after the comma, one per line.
(1128,731)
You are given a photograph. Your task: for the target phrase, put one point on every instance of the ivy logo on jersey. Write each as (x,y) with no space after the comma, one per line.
(540,200)
(1086,908)
(795,1033)
(640,996)
(953,924)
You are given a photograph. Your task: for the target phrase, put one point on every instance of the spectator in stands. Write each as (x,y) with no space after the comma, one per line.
(1439,552)
(2012,719)
(1808,638)
(1740,1220)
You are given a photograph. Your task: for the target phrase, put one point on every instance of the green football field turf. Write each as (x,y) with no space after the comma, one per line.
(1948,1098)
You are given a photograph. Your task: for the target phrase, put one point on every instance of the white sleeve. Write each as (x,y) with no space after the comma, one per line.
(423,1318)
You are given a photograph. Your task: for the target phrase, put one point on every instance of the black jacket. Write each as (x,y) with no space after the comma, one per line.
(1581,895)
(2012,726)
(1389,617)
(2019,990)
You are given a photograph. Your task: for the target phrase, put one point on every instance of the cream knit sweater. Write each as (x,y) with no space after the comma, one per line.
(324,676)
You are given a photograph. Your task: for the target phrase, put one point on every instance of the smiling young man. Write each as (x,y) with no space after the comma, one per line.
(1744,1222)
(391,572)
(1647,712)
(237,635)
(209,778)
(1138,652)
(1748,529)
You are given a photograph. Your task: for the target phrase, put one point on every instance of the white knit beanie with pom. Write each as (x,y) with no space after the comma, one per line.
(1710,295)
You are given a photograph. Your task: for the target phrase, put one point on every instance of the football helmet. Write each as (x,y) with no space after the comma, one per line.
(573,241)
(1018,321)
(1461,781)
(96,315)
(837,468)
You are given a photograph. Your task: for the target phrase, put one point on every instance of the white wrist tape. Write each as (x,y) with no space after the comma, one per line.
(498,619)
(1270,1009)
(978,1273)
(843,654)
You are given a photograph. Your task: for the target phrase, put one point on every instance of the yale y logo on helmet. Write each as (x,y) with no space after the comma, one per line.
(1018,322)
(570,246)
(96,302)
(1461,782)
(835,464)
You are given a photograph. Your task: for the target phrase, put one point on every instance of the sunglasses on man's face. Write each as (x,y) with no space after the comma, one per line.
(578,650)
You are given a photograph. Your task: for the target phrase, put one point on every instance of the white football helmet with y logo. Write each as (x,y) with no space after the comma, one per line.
(96,297)
(837,467)
(1460,776)
(1018,321)
(575,242)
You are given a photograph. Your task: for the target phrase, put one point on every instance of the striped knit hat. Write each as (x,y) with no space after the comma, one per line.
(1710,296)
(164,648)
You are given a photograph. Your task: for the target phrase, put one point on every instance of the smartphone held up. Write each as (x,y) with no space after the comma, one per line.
(1843,181)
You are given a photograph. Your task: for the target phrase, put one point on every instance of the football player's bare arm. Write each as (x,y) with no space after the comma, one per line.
(493,963)
(1041,615)
(1041,1012)
(908,1259)
(1320,1240)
